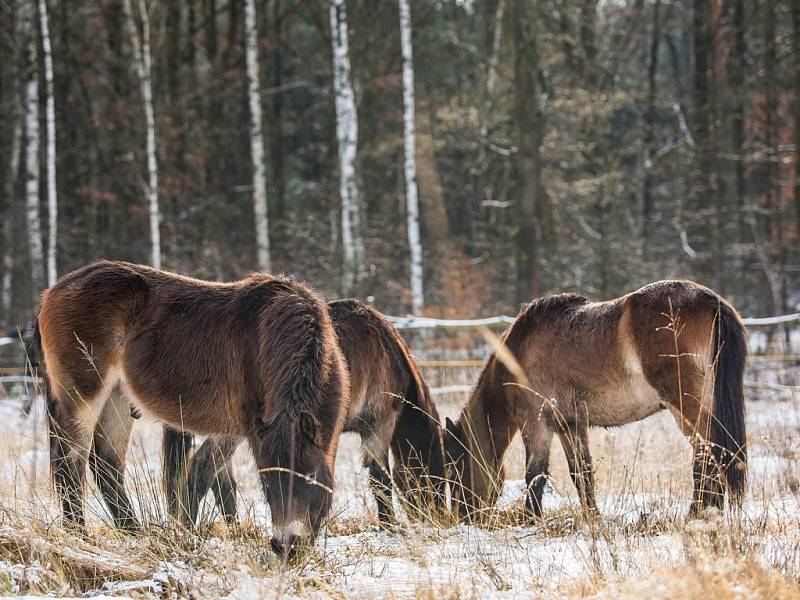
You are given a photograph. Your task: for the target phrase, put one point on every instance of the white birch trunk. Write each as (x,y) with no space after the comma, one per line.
(409,146)
(497,40)
(8,222)
(52,199)
(347,137)
(256,138)
(32,217)
(142,64)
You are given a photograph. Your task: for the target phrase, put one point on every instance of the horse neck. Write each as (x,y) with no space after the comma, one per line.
(489,423)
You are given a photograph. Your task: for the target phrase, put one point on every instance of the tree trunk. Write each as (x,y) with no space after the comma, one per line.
(12,175)
(347,138)
(256,137)
(649,124)
(52,200)
(718,94)
(773,227)
(736,76)
(702,209)
(491,84)
(591,134)
(796,55)
(432,206)
(484,183)
(409,148)
(174,238)
(142,64)
(528,120)
(276,117)
(8,220)
(33,218)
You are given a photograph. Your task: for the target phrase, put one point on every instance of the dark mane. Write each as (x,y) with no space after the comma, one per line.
(294,364)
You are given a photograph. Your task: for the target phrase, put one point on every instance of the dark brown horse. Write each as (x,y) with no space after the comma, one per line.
(391,409)
(256,359)
(567,364)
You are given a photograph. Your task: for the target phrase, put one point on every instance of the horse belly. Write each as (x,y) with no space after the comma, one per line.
(186,403)
(630,399)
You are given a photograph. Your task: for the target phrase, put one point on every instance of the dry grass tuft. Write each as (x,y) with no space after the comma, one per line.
(641,544)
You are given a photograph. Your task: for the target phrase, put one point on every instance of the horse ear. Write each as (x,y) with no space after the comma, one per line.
(307,426)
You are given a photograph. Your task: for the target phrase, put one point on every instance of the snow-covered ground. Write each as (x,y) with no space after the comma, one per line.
(644,485)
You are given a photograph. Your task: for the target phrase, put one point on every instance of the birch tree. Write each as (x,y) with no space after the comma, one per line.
(52,200)
(409,148)
(32,217)
(142,64)
(347,138)
(256,138)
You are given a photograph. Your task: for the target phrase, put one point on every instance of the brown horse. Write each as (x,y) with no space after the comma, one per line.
(391,409)
(256,359)
(567,364)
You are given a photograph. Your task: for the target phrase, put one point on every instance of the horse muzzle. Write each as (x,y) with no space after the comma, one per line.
(287,541)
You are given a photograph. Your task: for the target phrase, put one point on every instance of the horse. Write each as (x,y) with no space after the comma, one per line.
(566,364)
(255,359)
(391,410)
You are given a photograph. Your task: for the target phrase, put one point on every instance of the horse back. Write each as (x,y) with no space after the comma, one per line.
(83,320)
(206,357)
(385,380)
(375,382)
(672,326)
(615,361)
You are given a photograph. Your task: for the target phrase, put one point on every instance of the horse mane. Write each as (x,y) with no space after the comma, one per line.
(296,380)
(526,321)
(418,419)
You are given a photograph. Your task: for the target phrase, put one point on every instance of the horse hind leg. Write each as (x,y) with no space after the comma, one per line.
(71,423)
(107,458)
(694,419)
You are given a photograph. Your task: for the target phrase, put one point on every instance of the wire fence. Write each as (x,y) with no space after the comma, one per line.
(451,352)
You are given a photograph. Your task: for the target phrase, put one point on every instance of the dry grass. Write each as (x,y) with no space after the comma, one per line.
(641,545)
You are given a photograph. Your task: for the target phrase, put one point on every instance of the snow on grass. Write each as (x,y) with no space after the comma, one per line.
(643,476)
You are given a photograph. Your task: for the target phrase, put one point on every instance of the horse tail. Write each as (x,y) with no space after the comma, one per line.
(728,435)
(36,359)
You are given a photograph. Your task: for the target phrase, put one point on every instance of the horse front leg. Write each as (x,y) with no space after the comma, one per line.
(175,450)
(537,439)
(380,483)
(211,467)
(575,441)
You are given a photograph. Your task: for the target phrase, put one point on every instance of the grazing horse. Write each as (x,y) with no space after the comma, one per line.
(255,359)
(567,364)
(391,409)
